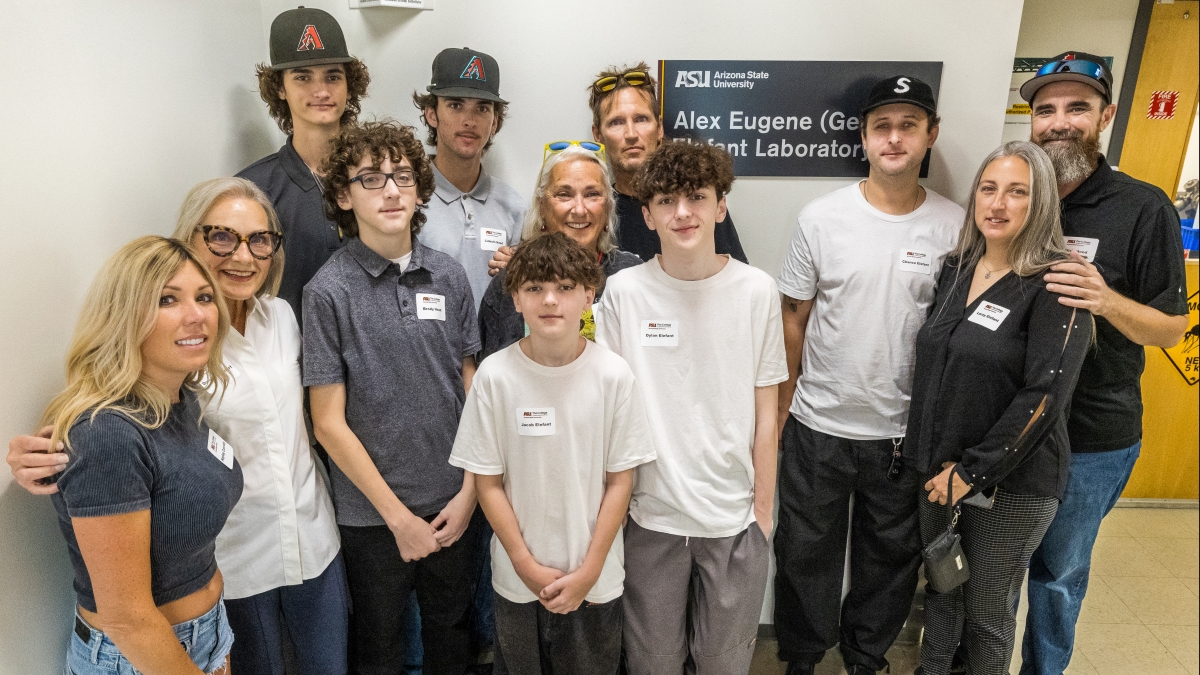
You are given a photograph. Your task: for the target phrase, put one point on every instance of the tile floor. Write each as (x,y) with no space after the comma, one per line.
(1140,616)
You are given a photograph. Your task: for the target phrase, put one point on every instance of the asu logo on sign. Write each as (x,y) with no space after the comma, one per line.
(309,39)
(474,70)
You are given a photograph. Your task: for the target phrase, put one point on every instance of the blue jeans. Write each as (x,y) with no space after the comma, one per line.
(317,616)
(1059,568)
(207,640)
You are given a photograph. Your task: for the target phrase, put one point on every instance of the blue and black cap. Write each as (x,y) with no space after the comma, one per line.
(465,73)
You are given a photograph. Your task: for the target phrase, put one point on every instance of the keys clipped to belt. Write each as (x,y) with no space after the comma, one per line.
(897,466)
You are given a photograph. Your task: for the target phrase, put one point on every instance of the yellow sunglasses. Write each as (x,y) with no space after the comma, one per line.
(559,146)
(634,78)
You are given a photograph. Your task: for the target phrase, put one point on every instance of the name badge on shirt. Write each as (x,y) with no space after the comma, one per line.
(492,240)
(431,306)
(988,315)
(919,262)
(660,333)
(220,449)
(535,421)
(1086,246)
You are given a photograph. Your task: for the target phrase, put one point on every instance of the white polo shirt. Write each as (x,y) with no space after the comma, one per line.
(282,530)
(873,276)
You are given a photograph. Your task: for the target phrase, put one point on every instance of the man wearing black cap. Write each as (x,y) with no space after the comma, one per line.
(857,282)
(1128,272)
(471,214)
(311,88)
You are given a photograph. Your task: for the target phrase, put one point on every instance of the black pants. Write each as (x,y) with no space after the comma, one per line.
(981,613)
(380,585)
(817,476)
(532,640)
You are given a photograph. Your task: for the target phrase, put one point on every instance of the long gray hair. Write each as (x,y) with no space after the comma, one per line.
(1039,244)
(532,227)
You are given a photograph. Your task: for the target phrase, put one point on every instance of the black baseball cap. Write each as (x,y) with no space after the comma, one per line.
(466,73)
(1082,67)
(901,89)
(306,37)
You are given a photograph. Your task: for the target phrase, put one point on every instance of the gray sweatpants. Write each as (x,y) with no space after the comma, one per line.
(692,595)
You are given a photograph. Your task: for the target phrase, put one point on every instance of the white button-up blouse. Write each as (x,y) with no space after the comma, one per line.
(282,530)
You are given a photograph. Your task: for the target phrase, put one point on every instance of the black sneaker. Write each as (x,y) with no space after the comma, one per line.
(797,668)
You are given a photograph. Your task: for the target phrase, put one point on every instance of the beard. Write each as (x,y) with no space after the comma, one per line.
(1076,159)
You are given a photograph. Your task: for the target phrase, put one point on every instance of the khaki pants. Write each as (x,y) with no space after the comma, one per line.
(692,595)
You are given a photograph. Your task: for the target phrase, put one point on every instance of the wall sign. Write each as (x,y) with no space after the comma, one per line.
(780,118)
(1162,105)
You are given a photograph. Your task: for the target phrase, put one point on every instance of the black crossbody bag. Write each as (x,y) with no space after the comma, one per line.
(945,563)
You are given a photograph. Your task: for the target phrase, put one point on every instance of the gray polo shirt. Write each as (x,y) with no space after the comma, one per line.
(470,226)
(397,341)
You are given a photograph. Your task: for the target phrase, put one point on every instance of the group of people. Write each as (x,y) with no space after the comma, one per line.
(595,394)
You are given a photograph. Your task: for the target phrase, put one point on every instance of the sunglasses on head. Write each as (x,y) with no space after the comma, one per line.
(634,78)
(559,146)
(1086,68)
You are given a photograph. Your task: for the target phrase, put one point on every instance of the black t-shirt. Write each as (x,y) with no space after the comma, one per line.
(309,238)
(992,382)
(635,237)
(1140,254)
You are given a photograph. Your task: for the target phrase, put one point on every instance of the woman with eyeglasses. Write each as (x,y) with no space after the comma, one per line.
(574,196)
(147,486)
(996,364)
(279,549)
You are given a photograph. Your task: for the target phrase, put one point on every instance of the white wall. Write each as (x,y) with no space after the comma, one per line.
(1100,27)
(111,112)
(133,102)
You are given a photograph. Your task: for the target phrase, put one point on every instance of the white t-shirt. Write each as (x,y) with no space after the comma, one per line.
(553,433)
(698,349)
(282,531)
(873,276)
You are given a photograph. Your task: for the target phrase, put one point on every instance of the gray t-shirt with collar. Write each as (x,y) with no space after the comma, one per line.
(470,226)
(396,340)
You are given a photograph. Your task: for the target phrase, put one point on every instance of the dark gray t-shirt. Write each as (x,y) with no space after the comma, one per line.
(396,340)
(118,466)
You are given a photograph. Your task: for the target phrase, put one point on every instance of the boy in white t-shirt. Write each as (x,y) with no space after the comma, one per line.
(857,282)
(552,430)
(703,334)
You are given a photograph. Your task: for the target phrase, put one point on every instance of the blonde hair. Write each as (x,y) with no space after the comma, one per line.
(1039,244)
(104,361)
(204,196)
(532,227)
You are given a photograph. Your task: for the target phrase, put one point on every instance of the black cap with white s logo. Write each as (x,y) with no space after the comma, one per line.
(901,89)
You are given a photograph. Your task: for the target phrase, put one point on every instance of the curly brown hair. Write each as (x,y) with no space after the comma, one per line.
(552,257)
(423,101)
(683,166)
(596,99)
(382,139)
(270,85)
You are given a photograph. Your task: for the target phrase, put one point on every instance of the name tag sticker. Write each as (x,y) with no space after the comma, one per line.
(919,262)
(431,306)
(492,240)
(660,333)
(988,315)
(1086,246)
(220,449)
(535,421)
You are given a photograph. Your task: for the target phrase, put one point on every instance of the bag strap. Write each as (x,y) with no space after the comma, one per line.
(950,499)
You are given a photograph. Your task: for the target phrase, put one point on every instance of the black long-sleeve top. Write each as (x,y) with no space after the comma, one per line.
(992,383)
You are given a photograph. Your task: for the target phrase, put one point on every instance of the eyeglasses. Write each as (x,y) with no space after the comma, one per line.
(224,242)
(1086,68)
(634,78)
(559,146)
(377,179)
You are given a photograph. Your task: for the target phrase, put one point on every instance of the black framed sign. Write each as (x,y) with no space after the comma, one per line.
(780,118)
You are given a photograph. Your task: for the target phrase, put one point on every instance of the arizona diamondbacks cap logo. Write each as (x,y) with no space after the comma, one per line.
(310,39)
(474,70)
